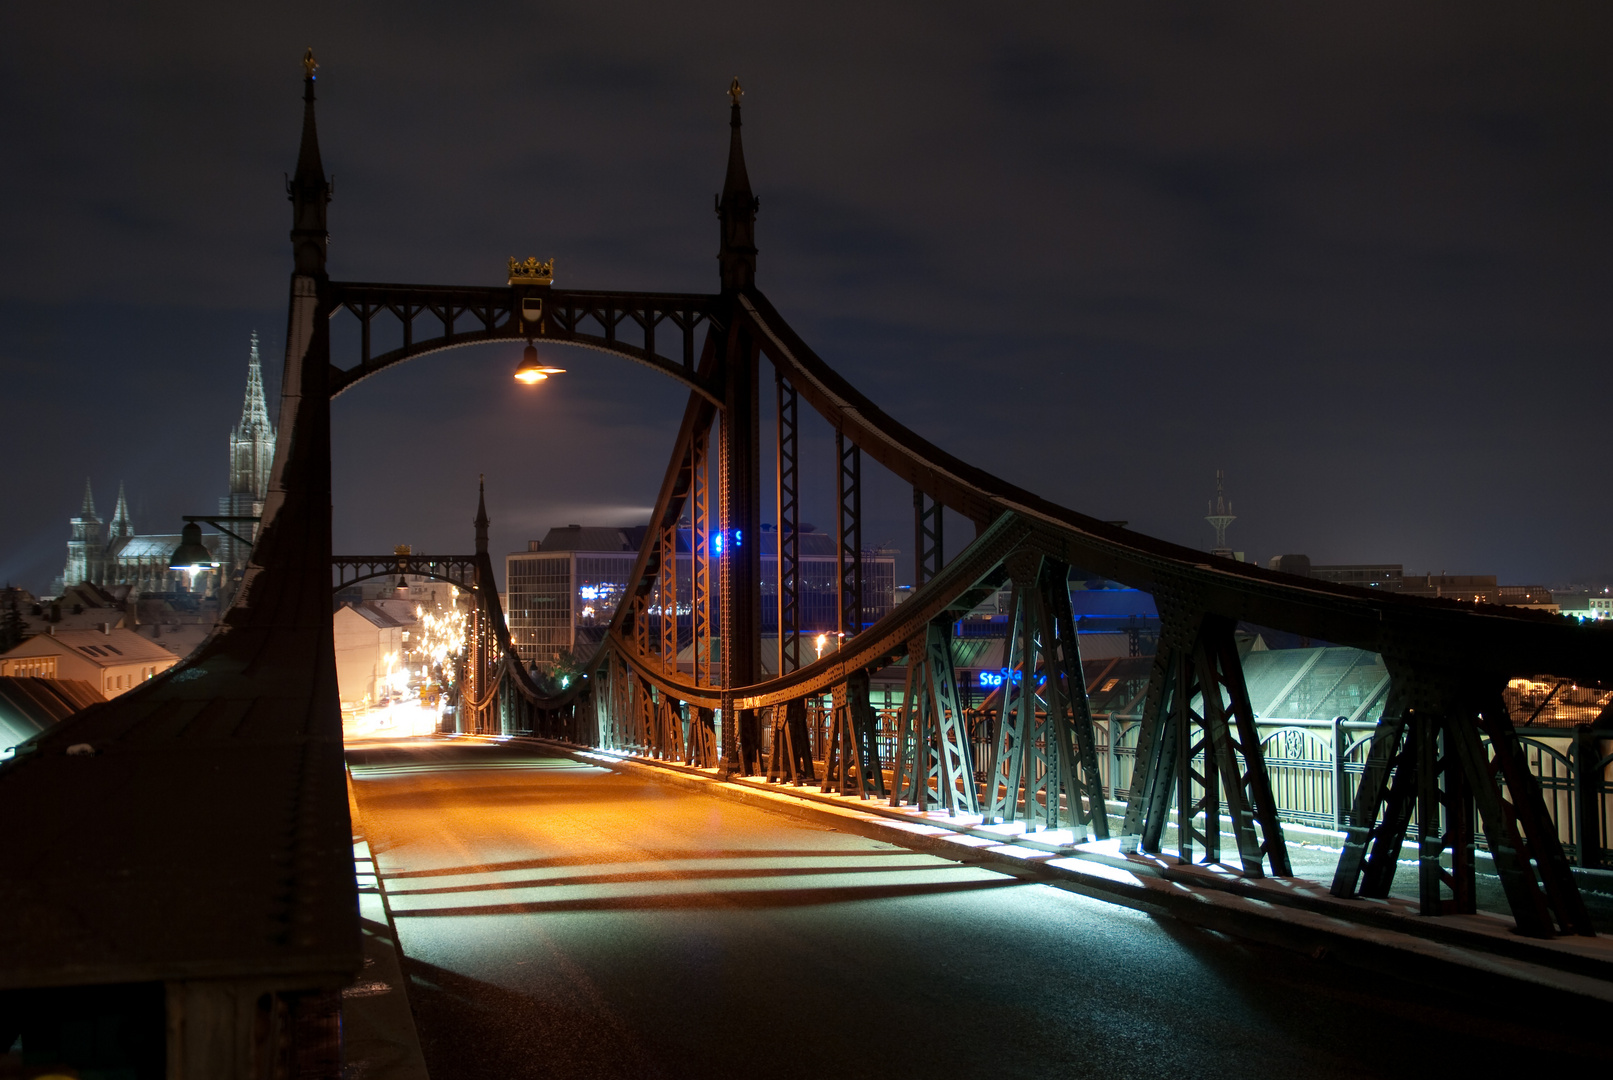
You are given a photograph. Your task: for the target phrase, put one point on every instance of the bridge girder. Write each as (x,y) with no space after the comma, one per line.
(520,313)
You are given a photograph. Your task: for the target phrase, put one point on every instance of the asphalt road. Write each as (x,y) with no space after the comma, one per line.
(564,920)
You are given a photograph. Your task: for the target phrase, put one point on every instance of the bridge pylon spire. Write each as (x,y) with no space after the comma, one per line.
(736,209)
(308,190)
(481,521)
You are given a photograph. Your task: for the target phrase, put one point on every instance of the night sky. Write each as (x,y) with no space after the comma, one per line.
(1355,255)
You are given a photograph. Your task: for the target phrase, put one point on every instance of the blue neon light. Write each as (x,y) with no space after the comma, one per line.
(739,538)
(716,542)
(997,678)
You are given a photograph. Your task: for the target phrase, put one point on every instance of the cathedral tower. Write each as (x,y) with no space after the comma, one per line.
(251,459)
(87,548)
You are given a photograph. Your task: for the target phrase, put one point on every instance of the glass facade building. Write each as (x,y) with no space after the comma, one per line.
(561,594)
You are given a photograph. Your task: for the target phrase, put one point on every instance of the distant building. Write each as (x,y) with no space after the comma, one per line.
(112,660)
(373,639)
(1219,517)
(1392,577)
(112,555)
(561,593)
(251,461)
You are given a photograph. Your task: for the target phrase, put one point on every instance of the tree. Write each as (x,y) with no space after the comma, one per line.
(13,630)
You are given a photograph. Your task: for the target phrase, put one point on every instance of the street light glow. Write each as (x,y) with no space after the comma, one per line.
(531,371)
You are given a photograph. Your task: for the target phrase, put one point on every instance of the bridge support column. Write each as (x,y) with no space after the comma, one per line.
(740,525)
(1198,658)
(1429,754)
(932,742)
(790,757)
(701,747)
(851,759)
(1044,758)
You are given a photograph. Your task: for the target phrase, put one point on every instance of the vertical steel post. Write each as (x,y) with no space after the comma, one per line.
(700,554)
(928,557)
(789,528)
(739,529)
(667,590)
(849,534)
(1337,772)
(1078,739)
(1588,794)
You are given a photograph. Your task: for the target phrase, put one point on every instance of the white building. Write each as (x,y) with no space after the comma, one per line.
(373,639)
(112,660)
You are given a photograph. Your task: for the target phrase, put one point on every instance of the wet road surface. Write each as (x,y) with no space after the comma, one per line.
(563,920)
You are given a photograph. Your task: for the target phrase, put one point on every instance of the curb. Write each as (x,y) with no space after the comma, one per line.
(379,1038)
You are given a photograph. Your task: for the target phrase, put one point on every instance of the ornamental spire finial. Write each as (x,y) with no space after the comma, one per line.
(481,521)
(736,209)
(735,91)
(308,188)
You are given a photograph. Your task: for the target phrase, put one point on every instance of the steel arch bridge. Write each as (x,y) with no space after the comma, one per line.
(1445,747)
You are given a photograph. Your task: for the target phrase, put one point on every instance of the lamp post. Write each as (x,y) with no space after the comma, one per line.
(192,555)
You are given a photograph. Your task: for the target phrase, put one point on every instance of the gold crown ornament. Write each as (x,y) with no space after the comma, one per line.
(531,272)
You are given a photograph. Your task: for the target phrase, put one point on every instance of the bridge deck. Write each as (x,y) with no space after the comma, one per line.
(608,925)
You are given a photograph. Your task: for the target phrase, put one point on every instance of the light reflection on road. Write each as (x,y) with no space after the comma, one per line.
(562,919)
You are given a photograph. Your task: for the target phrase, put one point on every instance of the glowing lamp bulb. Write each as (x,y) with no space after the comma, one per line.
(530,370)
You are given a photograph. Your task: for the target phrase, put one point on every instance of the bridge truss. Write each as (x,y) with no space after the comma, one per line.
(1445,752)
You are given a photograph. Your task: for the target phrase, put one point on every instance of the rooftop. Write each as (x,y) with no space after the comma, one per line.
(110,649)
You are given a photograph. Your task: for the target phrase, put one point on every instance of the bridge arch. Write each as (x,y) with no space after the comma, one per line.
(583,319)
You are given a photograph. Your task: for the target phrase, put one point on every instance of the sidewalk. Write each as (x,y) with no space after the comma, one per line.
(1467,951)
(379,1040)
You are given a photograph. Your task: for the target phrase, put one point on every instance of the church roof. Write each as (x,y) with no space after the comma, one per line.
(156,545)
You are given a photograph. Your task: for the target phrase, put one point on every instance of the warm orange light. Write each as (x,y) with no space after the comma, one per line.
(531,371)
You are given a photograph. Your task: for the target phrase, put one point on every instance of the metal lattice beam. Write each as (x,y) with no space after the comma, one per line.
(928,556)
(700,555)
(849,535)
(789,528)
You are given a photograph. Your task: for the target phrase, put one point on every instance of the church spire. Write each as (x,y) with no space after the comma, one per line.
(121,525)
(87,511)
(252,440)
(736,208)
(254,409)
(481,521)
(308,190)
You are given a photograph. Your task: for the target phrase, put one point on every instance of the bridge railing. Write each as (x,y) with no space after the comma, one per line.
(1315,766)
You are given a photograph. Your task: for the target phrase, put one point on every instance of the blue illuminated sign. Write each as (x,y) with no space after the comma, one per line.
(716,542)
(994,679)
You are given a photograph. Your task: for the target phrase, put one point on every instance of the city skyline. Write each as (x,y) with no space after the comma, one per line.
(1338,293)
